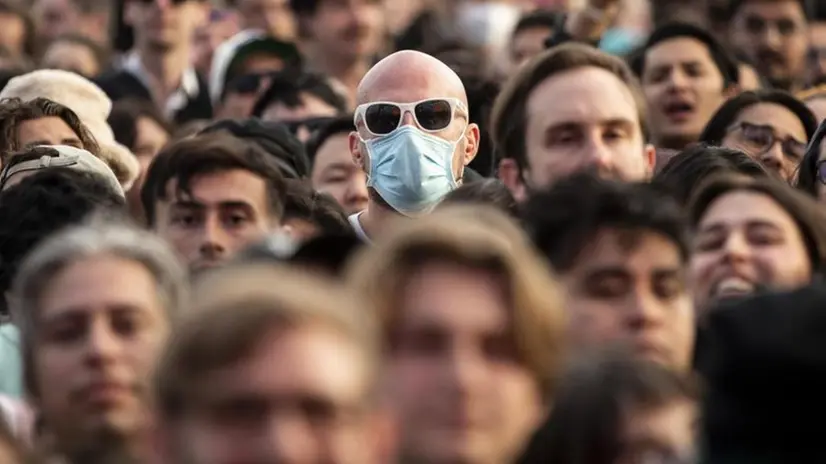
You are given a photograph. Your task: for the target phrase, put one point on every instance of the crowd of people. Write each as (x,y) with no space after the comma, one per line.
(412,231)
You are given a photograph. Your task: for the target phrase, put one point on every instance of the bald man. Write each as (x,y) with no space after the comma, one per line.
(413,138)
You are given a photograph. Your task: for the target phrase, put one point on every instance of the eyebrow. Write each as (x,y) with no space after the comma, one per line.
(720,227)
(197,205)
(339,166)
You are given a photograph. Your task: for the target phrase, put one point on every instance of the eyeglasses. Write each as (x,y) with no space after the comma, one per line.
(762,139)
(311,124)
(431,115)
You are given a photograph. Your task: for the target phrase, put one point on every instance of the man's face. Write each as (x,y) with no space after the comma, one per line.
(347,29)
(335,173)
(54,18)
(528,43)
(151,137)
(50,130)
(772,135)
(273,16)
(312,408)
(683,88)
(454,373)
(166,24)
(100,328)
(581,120)
(226,211)
(774,35)
(630,287)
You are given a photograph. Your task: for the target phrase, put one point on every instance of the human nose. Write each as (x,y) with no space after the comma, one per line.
(773,157)
(735,247)
(597,155)
(213,238)
(771,38)
(288,440)
(101,343)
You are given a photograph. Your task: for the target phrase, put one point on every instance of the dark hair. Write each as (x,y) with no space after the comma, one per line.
(686,171)
(124,120)
(537,19)
(592,406)
(187,159)
(14,8)
(564,220)
(100,54)
(304,7)
(807,178)
(509,117)
(317,208)
(287,88)
(719,124)
(14,111)
(481,95)
(341,125)
(807,213)
(62,197)
(489,192)
(722,59)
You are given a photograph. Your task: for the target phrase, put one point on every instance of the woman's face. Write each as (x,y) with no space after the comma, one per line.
(772,135)
(745,241)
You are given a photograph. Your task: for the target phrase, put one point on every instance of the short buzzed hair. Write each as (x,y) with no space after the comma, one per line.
(509,116)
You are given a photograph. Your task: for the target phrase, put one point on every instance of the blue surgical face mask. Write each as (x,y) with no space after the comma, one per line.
(411,170)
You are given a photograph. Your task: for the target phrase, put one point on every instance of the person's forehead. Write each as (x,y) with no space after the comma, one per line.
(581,96)
(411,87)
(678,49)
(634,250)
(770,10)
(334,150)
(742,207)
(312,359)
(214,188)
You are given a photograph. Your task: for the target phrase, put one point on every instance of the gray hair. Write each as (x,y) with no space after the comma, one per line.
(96,238)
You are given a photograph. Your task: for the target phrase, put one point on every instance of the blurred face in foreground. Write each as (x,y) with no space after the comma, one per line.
(453,374)
(314,408)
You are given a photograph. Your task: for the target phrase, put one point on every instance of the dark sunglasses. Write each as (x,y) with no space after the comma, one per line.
(431,115)
(247,83)
(763,138)
(311,124)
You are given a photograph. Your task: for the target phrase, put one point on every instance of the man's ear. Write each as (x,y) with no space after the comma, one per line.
(356,151)
(511,176)
(650,155)
(472,136)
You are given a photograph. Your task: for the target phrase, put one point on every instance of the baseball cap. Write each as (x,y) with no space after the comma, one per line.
(56,156)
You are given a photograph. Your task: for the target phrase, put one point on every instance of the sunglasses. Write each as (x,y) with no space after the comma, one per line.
(431,115)
(311,124)
(763,138)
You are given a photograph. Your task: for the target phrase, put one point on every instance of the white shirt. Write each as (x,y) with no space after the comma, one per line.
(360,233)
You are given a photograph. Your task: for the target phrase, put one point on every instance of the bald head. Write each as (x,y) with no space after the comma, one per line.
(408,76)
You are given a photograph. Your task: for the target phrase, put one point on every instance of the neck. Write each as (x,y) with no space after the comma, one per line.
(375,218)
(112,450)
(165,68)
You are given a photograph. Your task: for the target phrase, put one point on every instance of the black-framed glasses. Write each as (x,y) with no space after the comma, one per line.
(762,138)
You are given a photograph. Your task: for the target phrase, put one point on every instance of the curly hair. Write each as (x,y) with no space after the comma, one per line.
(14,111)
(63,197)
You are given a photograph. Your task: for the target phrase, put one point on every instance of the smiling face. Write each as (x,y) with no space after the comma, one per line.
(683,87)
(746,241)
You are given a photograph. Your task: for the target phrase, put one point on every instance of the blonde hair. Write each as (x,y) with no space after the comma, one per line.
(812,93)
(476,238)
(234,308)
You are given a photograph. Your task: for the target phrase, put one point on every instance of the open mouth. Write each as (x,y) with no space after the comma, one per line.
(678,111)
(732,287)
